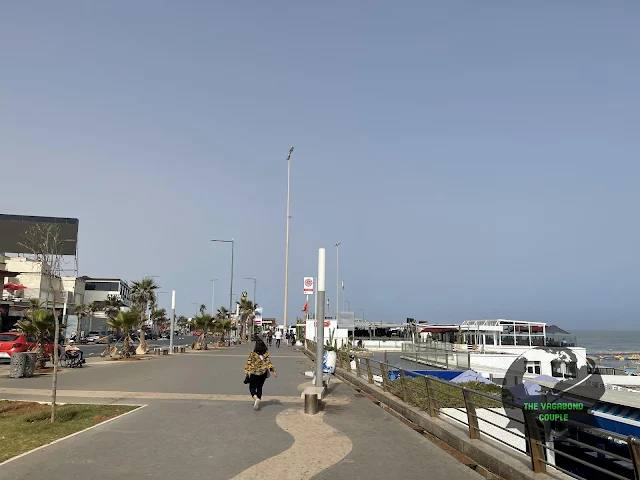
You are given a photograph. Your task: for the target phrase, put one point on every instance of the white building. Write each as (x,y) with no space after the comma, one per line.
(99,289)
(39,284)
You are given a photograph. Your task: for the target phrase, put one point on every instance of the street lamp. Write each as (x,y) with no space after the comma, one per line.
(255,282)
(231,291)
(348,302)
(213,295)
(336,300)
(286,254)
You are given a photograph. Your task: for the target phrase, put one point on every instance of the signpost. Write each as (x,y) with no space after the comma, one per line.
(308,289)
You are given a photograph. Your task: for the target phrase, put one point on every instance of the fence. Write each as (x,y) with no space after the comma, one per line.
(487,415)
(440,354)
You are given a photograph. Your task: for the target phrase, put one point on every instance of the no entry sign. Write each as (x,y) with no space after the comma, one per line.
(308,285)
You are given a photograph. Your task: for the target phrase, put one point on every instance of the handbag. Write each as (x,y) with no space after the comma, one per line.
(246,379)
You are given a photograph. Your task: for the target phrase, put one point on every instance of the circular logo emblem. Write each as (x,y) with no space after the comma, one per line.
(308,283)
(554,385)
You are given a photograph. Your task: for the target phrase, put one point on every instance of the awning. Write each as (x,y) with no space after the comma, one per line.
(7,273)
(438,330)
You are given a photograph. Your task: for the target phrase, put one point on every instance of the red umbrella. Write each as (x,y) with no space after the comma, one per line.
(14,286)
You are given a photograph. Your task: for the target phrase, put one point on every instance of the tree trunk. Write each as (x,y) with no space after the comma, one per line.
(90,321)
(143,347)
(79,329)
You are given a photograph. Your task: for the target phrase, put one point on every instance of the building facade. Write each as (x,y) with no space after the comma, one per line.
(99,289)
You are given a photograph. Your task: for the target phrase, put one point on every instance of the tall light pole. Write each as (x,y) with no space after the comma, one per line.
(255,283)
(336,301)
(286,251)
(213,296)
(173,320)
(320,318)
(232,242)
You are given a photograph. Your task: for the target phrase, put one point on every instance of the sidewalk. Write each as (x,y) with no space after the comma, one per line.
(199,424)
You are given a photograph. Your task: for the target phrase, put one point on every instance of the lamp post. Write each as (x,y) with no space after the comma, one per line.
(173,320)
(320,318)
(286,251)
(232,242)
(213,296)
(255,282)
(336,301)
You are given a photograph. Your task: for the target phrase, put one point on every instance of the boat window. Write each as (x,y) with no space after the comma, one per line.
(556,368)
(533,367)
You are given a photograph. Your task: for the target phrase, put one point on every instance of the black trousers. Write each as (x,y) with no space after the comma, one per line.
(256,383)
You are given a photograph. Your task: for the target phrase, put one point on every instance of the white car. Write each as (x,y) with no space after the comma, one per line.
(92,337)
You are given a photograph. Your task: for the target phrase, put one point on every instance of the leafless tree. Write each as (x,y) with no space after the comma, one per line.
(45,243)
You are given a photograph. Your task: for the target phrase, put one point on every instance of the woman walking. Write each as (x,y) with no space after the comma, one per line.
(257,370)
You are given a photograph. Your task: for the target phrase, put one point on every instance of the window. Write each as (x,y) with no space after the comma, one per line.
(90,286)
(8,338)
(560,369)
(533,367)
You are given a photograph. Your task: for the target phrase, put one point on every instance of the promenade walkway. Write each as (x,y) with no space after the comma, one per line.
(198,423)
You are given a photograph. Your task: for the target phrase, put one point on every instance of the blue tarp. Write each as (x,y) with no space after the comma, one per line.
(441,374)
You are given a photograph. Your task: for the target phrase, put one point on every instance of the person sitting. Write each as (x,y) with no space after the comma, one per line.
(73,351)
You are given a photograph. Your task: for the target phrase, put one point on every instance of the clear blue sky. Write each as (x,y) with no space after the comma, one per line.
(476,159)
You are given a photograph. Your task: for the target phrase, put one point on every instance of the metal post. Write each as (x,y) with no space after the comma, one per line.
(310,403)
(433,407)
(173,319)
(403,383)
(534,440)
(358,374)
(385,377)
(369,373)
(315,291)
(231,289)
(472,418)
(337,299)
(320,316)
(286,253)
(213,297)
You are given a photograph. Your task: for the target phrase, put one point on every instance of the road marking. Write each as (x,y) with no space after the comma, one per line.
(114,395)
(308,431)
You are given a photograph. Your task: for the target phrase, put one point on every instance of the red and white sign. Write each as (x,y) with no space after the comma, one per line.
(308,286)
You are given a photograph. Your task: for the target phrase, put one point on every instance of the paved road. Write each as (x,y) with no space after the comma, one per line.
(198,423)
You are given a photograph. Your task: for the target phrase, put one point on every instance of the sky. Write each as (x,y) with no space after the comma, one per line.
(475,159)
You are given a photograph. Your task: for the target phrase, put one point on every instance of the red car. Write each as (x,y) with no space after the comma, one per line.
(16,342)
(197,333)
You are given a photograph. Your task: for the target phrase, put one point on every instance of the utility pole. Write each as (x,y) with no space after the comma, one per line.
(320,317)
(173,320)
(286,254)
(336,301)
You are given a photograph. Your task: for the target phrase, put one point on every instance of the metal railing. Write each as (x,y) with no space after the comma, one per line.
(438,354)
(487,415)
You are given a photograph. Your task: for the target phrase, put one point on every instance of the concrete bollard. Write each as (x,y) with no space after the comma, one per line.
(310,403)
(165,351)
(183,349)
(176,349)
(157,351)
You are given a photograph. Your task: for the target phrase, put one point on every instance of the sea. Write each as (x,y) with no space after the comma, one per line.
(608,341)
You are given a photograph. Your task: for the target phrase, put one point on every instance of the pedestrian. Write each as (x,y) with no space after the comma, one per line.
(287,336)
(278,338)
(257,370)
(292,337)
(270,337)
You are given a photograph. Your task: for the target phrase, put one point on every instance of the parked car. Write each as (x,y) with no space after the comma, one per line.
(16,342)
(197,333)
(165,334)
(93,337)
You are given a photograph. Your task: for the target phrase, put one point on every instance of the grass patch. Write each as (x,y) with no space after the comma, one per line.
(26,425)
(447,396)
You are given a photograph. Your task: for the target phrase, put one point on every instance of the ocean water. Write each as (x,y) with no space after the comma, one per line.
(608,341)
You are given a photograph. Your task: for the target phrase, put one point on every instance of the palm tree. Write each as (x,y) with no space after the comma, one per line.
(182,321)
(159,317)
(204,323)
(247,314)
(143,293)
(39,324)
(203,308)
(124,321)
(223,322)
(93,307)
(34,304)
(82,311)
